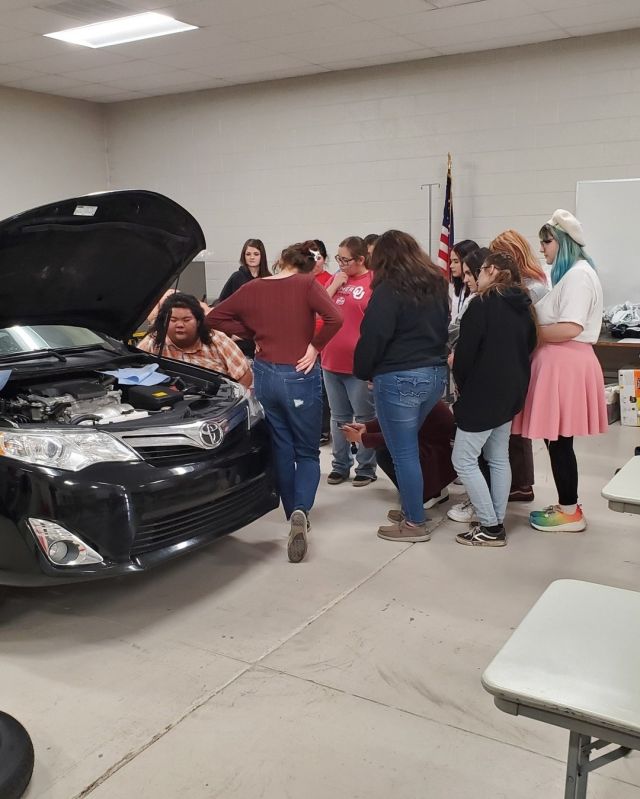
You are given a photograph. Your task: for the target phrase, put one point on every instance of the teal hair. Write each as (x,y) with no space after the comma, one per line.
(569,252)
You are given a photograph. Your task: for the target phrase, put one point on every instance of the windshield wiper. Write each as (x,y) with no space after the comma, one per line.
(87,348)
(30,356)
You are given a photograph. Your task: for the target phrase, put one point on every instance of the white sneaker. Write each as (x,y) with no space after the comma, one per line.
(462,512)
(431,503)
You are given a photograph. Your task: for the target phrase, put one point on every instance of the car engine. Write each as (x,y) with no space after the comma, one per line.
(83,401)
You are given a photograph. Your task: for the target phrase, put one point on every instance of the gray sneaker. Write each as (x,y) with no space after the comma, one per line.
(405,533)
(297,543)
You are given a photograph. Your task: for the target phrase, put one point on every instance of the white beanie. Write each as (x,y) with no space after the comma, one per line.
(566,221)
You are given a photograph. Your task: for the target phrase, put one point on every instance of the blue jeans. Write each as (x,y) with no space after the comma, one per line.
(292,403)
(403,402)
(490,505)
(349,399)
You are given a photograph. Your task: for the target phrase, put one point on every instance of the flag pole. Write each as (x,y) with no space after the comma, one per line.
(430,220)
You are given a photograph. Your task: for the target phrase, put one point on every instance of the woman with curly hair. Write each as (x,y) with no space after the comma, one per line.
(403,351)
(497,330)
(279,313)
(532,274)
(180,332)
(535,282)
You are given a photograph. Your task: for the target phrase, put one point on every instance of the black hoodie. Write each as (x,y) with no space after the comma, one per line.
(492,366)
(241,276)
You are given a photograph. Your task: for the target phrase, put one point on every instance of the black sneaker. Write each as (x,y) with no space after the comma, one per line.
(479,536)
(325,438)
(297,543)
(362,480)
(335,478)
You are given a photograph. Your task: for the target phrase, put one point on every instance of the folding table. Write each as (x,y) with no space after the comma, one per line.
(623,490)
(574,662)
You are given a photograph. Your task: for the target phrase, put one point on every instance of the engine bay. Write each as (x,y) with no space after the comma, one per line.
(94,398)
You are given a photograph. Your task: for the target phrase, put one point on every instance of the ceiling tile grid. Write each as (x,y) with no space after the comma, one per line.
(256,40)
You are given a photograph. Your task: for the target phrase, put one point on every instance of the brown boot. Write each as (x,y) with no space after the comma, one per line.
(404,532)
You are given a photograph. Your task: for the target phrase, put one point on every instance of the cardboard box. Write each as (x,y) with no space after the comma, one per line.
(612,398)
(629,397)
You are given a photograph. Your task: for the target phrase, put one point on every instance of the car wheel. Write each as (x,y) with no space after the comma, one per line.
(16,758)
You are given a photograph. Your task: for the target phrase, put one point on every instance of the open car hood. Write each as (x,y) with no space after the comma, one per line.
(100,261)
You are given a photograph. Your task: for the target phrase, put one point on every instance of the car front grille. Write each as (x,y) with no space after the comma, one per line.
(179,455)
(217,517)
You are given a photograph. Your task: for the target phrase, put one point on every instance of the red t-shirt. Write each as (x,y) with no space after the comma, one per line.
(323,278)
(352,299)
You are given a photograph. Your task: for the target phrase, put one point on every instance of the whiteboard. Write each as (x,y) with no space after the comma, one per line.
(610,214)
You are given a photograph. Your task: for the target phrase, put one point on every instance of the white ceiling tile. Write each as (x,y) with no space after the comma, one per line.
(244,41)
(272,63)
(232,51)
(344,36)
(195,86)
(11,73)
(223,11)
(485,31)
(439,19)
(6,34)
(126,69)
(596,12)
(307,23)
(74,60)
(179,77)
(604,27)
(377,50)
(35,20)
(27,49)
(390,58)
(45,83)
(556,5)
(502,42)
(93,92)
(377,9)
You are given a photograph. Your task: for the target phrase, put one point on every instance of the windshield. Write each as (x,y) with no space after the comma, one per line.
(20,338)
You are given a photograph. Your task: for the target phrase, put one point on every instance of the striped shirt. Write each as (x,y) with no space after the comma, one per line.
(222,355)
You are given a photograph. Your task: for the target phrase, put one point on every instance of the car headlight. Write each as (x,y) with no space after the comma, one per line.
(63,450)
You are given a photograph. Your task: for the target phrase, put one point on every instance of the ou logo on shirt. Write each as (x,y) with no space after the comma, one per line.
(358,292)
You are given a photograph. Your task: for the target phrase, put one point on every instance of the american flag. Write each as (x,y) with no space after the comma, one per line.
(446,234)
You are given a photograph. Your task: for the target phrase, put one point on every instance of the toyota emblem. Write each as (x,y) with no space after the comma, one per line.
(210,435)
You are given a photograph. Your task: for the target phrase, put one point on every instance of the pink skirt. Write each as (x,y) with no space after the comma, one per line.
(566,394)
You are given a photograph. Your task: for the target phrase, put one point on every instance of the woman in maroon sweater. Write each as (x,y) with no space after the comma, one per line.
(279,314)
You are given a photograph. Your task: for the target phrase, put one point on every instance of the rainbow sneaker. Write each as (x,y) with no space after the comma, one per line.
(553,520)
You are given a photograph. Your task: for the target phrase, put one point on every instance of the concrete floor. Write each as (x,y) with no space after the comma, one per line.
(232,673)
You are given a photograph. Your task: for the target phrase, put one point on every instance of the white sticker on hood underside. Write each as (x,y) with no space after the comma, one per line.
(85,210)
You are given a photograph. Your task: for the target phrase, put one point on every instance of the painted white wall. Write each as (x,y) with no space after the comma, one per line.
(345,153)
(50,148)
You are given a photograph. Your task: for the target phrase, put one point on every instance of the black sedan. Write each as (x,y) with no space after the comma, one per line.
(111,460)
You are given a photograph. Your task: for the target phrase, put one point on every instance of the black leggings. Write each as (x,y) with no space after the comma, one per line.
(565,469)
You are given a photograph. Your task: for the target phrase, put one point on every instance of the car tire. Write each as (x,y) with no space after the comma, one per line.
(16,758)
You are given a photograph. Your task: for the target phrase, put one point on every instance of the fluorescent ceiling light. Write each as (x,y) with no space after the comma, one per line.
(126,29)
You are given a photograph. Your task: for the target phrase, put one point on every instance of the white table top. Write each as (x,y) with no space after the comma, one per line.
(576,654)
(624,487)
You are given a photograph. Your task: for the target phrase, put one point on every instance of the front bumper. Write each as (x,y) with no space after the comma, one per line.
(136,515)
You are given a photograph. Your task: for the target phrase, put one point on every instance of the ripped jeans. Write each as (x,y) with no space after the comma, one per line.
(292,403)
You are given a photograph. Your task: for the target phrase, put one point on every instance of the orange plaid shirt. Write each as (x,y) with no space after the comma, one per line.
(222,355)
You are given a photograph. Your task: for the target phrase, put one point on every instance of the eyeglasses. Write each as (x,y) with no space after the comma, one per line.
(546,241)
(485,266)
(343,261)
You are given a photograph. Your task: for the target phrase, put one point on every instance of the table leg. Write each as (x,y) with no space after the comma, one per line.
(577,760)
